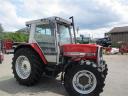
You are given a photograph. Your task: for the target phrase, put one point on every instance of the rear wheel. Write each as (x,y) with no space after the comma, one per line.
(27,66)
(83,80)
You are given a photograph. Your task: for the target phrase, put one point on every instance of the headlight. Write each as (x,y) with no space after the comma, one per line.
(79,54)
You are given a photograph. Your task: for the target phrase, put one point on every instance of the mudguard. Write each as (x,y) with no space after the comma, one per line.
(33,46)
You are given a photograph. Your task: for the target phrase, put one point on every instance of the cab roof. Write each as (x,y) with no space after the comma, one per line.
(49,19)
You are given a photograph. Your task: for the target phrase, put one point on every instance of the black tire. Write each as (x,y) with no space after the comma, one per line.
(72,71)
(35,63)
(105,72)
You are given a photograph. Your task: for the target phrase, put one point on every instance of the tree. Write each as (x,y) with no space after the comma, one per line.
(1,28)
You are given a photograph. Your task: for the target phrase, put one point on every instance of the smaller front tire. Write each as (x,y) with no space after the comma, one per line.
(83,80)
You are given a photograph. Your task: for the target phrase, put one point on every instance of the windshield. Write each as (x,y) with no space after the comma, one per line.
(64,34)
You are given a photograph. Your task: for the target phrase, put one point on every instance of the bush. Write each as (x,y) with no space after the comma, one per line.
(16,37)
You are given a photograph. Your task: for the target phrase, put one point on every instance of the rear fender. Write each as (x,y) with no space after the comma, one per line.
(34,47)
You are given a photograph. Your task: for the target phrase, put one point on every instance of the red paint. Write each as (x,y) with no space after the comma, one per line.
(80,48)
(7,45)
(38,50)
(83,48)
(123,48)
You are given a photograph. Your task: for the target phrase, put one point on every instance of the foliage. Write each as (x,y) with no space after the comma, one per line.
(16,37)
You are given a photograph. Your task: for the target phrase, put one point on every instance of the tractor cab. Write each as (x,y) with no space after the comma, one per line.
(50,34)
(55,39)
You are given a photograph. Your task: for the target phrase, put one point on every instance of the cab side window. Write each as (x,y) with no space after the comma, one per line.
(44,36)
(43,30)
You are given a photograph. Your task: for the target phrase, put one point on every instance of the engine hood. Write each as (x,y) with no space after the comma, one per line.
(80,48)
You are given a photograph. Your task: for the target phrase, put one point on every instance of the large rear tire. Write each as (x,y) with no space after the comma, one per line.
(27,66)
(83,80)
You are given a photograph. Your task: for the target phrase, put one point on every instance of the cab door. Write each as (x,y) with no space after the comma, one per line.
(45,37)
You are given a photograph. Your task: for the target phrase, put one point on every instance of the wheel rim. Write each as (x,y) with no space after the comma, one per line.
(84,82)
(23,67)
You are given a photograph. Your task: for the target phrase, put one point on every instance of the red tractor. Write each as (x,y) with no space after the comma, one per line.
(52,50)
(7,46)
(123,48)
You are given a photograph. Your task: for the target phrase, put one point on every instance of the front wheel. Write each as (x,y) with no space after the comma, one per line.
(83,80)
(105,72)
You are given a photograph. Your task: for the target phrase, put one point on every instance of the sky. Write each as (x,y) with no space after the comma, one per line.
(94,17)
